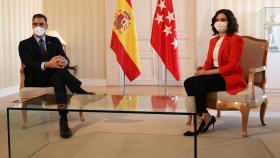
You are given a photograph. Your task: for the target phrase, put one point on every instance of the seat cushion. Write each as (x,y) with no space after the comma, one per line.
(32,92)
(243,96)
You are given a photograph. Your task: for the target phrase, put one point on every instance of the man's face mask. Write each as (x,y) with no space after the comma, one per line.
(221,26)
(39,31)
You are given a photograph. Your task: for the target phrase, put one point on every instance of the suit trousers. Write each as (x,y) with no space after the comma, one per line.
(199,86)
(59,78)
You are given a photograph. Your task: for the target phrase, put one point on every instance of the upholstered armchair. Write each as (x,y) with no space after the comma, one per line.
(254,66)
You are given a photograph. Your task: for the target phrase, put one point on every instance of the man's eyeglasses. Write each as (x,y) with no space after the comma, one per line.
(38,24)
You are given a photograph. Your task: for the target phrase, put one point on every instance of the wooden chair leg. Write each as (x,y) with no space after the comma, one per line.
(218,113)
(82,116)
(189,121)
(24,118)
(245,109)
(190,105)
(262,112)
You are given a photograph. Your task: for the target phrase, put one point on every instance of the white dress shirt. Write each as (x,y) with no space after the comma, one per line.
(216,52)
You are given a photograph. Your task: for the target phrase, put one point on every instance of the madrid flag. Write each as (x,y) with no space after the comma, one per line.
(124,40)
(164,38)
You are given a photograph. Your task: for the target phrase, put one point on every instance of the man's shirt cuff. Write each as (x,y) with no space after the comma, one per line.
(43,66)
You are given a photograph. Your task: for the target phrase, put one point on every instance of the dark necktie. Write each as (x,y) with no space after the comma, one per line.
(42,47)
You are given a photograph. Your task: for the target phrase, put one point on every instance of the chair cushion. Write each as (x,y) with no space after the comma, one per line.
(32,92)
(243,96)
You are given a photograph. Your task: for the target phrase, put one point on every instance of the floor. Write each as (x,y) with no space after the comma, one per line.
(152,136)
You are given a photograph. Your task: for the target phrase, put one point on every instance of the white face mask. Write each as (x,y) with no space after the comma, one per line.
(221,26)
(39,31)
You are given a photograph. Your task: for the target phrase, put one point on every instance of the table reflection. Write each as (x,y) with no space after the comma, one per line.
(125,102)
(164,103)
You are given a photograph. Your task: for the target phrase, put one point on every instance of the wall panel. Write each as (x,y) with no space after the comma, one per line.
(82,25)
(15,25)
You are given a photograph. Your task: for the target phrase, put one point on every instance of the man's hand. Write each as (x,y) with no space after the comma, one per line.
(63,62)
(58,62)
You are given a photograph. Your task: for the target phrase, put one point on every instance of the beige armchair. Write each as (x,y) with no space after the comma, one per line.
(253,63)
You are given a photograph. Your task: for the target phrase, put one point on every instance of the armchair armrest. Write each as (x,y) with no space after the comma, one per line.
(74,68)
(251,80)
(22,77)
(255,70)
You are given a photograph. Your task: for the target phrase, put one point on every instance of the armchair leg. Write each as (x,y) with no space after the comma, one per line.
(218,113)
(190,104)
(244,109)
(189,121)
(262,112)
(81,116)
(24,118)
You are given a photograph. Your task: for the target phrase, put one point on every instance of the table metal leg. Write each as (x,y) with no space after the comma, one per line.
(8,126)
(195,137)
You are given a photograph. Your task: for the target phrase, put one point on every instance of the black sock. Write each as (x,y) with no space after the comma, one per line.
(63,117)
(81,91)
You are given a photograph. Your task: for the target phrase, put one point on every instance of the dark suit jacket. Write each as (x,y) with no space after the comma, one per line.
(29,52)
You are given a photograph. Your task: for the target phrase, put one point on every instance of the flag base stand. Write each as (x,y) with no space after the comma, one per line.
(165,86)
(124,86)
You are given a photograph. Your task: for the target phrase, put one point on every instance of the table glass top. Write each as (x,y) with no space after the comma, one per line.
(109,103)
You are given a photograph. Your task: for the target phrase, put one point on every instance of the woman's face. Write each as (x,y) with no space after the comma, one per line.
(221,17)
(221,23)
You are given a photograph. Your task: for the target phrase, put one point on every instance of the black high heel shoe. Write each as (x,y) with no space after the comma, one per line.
(201,127)
(212,121)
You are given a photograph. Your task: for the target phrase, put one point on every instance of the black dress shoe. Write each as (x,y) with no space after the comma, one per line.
(82,91)
(65,131)
(91,93)
(209,123)
(191,133)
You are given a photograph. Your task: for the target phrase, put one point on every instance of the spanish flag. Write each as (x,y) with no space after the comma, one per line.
(124,40)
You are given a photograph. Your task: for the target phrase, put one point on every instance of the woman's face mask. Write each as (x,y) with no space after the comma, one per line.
(39,31)
(221,26)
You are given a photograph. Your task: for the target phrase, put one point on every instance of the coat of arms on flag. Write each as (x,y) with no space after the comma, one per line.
(122,20)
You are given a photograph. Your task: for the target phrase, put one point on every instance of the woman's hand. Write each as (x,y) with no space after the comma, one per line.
(207,72)
(202,72)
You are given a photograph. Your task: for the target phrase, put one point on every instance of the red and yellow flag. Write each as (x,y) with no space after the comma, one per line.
(124,40)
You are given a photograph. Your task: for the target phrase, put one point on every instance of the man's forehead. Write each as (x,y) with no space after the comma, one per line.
(39,19)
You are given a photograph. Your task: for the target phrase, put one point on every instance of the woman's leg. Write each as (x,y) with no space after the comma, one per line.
(204,85)
(189,88)
(199,86)
(189,85)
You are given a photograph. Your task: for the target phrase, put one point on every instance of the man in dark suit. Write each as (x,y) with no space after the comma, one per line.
(45,64)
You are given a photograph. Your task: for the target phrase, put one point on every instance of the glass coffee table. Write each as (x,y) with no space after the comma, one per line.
(26,140)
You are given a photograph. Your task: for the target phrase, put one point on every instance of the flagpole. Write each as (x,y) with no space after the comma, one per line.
(166,93)
(124,88)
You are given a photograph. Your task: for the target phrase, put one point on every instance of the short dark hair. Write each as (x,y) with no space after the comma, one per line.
(232,22)
(40,16)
